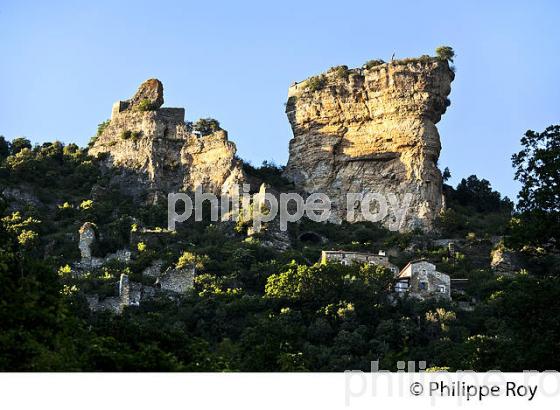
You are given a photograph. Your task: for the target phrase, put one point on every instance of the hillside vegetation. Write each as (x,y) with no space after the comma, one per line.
(258,308)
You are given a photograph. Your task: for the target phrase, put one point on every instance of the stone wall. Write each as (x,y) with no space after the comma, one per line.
(112,303)
(176,280)
(153,271)
(346,257)
(171,282)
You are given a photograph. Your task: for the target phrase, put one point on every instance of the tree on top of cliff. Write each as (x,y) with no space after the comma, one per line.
(373,63)
(445,53)
(206,126)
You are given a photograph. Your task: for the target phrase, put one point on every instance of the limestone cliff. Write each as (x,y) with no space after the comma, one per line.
(371,130)
(153,151)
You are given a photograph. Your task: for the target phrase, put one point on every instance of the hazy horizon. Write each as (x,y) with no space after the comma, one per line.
(64,65)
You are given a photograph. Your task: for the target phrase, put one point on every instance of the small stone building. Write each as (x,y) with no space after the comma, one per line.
(420,279)
(347,258)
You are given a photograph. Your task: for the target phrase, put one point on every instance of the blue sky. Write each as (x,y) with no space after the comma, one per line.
(63,64)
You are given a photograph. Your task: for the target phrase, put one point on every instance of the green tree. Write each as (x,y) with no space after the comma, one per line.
(478,193)
(330,283)
(34,321)
(19,144)
(373,63)
(446,174)
(521,327)
(445,53)
(102,126)
(315,83)
(206,126)
(146,105)
(538,169)
(191,259)
(4,147)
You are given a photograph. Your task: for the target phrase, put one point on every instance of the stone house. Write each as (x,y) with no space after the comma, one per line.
(347,258)
(421,280)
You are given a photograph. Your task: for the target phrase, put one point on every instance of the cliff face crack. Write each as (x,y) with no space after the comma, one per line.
(380,156)
(389,143)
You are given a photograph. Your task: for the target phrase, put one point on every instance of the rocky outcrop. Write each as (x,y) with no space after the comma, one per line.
(371,130)
(267,233)
(21,197)
(153,152)
(504,261)
(150,94)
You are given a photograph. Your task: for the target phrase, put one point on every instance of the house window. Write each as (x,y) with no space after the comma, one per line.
(423,285)
(401,286)
(442,289)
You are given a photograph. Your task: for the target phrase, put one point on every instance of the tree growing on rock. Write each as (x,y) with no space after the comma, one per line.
(206,126)
(445,53)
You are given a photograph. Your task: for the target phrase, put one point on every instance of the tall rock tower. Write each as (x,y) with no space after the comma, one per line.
(152,151)
(371,130)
